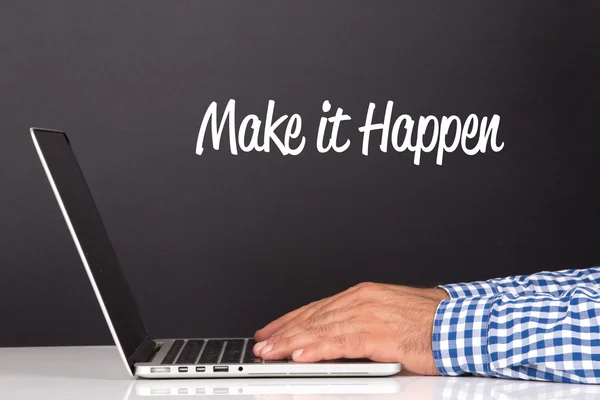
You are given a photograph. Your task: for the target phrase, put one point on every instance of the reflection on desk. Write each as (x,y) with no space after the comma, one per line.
(97,373)
(258,387)
(398,387)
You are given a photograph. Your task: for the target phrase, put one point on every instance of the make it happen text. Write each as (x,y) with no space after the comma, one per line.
(427,134)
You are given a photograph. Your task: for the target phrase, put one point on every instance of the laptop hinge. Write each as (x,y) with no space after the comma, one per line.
(144,353)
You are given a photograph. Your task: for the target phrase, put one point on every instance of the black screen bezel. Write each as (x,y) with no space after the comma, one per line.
(89,234)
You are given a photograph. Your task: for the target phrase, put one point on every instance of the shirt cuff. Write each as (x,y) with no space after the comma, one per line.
(472,289)
(460,336)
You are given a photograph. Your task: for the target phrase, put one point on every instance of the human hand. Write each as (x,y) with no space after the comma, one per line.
(386,323)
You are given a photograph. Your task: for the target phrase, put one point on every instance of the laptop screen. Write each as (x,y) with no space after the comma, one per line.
(92,242)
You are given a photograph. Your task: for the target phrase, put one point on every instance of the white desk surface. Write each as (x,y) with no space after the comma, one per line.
(97,373)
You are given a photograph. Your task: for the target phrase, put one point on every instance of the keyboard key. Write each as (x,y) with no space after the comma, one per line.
(190,352)
(211,352)
(233,351)
(172,353)
(249,356)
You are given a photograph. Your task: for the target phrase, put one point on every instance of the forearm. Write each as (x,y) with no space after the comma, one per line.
(554,283)
(537,336)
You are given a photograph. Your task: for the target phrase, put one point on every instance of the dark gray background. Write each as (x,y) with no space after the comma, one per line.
(258,234)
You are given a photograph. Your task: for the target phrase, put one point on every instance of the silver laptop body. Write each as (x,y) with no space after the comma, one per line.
(144,356)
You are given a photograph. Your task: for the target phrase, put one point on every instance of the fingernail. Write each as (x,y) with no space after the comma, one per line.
(297,353)
(258,346)
(266,349)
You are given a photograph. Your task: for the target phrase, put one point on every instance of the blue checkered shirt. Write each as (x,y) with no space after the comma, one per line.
(544,326)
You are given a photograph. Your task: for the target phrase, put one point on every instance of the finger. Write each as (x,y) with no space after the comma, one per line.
(300,317)
(352,345)
(302,314)
(307,313)
(284,348)
(268,330)
(336,301)
(329,317)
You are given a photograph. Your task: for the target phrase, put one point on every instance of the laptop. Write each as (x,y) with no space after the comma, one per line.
(143,355)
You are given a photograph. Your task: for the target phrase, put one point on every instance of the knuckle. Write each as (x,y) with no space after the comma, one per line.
(312,304)
(308,324)
(360,342)
(347,325)
(370,307)
(328,316)
(340,341)
(366,345)
(361,285)
(280,331)
(321,330)
(368,287)
(274,338)
(283,344)
(354,343)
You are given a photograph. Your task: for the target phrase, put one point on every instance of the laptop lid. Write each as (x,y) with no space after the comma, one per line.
(93,245)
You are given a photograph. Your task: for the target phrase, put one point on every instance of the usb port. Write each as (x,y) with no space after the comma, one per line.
(221,368)
(200,369)
(183,369)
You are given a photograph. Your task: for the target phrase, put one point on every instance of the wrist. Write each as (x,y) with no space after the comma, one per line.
(440,294)
(436,293)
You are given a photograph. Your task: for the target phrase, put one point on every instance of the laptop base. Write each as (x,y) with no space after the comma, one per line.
(233,358)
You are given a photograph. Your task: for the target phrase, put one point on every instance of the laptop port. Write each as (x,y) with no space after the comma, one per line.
(183,369)
(160,370)
(221,368)
(200,369)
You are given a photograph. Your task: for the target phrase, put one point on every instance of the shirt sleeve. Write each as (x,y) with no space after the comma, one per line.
(554,283)
(535,337)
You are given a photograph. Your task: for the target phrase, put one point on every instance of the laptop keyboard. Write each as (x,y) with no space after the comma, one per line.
(191,351)
(173,352)
(212,351)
